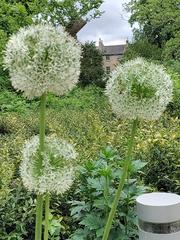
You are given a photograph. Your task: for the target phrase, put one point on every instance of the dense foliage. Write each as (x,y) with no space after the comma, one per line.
(142,48)
(157,35)
(93,197)
(159,22)
(16,14)
(17,215)
(67,11)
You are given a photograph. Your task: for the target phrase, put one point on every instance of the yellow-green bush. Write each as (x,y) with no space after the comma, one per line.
(6,170)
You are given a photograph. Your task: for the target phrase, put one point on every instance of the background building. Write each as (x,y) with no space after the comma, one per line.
(112,54)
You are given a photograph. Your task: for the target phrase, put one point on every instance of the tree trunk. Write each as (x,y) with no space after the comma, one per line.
(75,26)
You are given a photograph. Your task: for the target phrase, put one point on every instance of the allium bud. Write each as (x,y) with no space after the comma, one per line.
(57,172)
(41,59)
(139,89)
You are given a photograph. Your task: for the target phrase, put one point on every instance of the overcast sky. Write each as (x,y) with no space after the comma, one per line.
(112,27)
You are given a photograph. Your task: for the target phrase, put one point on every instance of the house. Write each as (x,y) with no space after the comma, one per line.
(112,54)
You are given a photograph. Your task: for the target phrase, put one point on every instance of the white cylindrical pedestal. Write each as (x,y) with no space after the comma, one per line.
(159,216)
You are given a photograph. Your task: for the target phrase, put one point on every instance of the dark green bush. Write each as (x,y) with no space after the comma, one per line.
(17,215)
(163,170)
(92,71)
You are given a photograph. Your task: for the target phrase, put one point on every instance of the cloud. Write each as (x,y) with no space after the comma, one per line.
(112,27)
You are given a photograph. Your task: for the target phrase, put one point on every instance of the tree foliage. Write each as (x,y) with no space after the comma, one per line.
(67,11)
(72,14)
(159,22)
(15,14)
(92,70)
(142,48)
(172,48)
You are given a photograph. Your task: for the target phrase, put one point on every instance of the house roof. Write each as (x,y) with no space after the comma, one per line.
(114,49)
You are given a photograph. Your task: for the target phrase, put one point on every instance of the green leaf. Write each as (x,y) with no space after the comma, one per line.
(137,165)
(99,232)
(92,222)
(80,234)
(96,183)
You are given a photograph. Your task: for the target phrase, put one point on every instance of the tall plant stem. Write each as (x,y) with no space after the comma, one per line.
(121,180)
(39,204)
(106,194)
(47,202)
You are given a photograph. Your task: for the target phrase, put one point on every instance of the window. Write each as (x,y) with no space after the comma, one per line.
(107,58)
(108,69)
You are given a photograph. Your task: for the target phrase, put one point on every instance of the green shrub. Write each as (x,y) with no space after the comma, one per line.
(92,71)
(90,97)
(93,197)
(159,147)
(17,215)
(12,102)
(162,169)
(7,171)
(174,107)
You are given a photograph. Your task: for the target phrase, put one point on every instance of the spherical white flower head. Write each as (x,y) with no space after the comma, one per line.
(139,89)
(56,174)
(42,59)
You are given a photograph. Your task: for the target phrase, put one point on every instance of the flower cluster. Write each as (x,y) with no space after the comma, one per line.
(42,58)
(57,171)
(139,89)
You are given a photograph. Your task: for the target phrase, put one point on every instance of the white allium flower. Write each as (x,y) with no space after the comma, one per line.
(139,89)
(42,58)
(56,174)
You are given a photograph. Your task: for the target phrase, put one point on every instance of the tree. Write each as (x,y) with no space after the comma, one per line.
(92,71)
(172,48)
(159,22)
(142,48)
(159,19)
(73,14)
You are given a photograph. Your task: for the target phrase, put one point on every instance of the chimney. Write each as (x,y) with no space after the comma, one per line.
(127,42)
(101,45)
(126,45)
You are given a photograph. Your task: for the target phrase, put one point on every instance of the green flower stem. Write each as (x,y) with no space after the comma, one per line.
(47,203)
(39,212)
(121,180)
(106,193)
(42,127)
(39,204)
